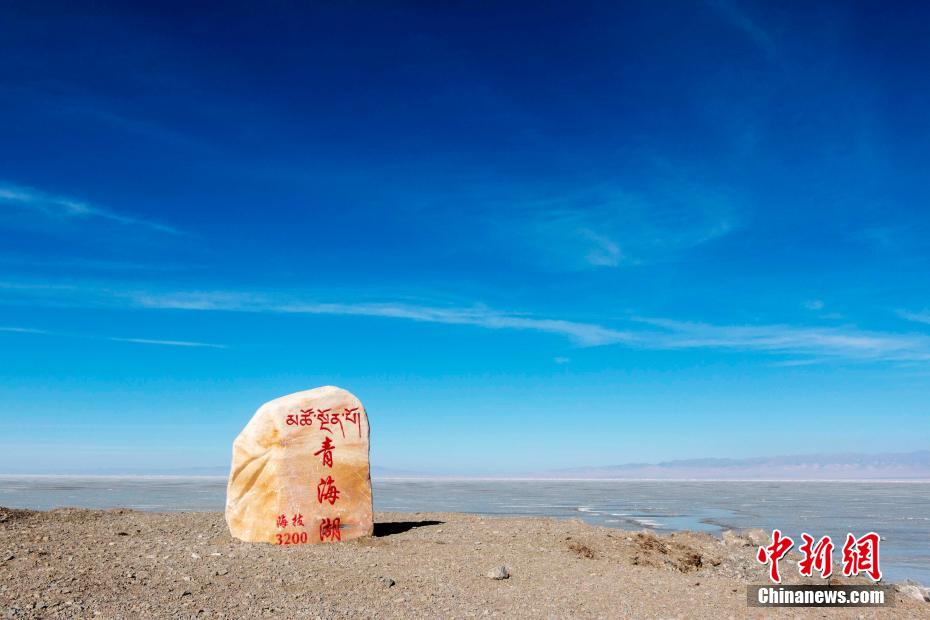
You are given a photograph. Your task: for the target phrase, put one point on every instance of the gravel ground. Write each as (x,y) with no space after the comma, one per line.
(127,564)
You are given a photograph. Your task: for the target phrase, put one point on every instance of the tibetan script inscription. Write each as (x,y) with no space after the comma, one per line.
(300,471)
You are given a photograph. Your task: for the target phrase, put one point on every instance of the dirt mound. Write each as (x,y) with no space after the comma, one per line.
(655,551)
(8,515)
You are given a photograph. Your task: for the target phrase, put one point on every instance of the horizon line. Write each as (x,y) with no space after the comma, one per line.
(485,478)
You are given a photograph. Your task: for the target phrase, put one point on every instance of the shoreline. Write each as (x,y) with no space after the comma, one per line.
(219,477)
(120,563)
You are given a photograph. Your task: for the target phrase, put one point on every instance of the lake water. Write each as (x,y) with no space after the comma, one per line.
(899,512)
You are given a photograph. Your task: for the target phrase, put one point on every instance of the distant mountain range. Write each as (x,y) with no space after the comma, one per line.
(907,466)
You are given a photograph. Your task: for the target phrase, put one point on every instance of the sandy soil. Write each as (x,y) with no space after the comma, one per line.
(126,564)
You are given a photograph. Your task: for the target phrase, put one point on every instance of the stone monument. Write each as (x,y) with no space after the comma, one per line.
(300,471)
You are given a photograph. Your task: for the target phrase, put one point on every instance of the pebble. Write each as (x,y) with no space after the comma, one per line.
(387,582)
(501,572)
(915,592)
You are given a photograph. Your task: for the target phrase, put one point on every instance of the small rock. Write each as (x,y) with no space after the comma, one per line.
(195,556)
(915,592)
(222,571)
(387,582)
(8,557)
(501,572)
(756,536)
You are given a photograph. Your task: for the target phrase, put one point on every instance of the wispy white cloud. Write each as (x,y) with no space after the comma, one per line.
(837,343)
(54,206)
(604,252)
(917,317)
(609,226)
(22,330)
(90,264)
(649,333)
(798,343)
(818,305)
(586,334)
(740,19)
(169,343)
(797,362)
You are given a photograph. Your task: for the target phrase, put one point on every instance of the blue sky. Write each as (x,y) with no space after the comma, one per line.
(526,236)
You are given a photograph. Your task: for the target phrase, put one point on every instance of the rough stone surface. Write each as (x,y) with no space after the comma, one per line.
(387,582)
(915,592)
(501,572)
(300,471)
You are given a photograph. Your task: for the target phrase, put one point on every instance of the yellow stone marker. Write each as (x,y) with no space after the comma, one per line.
(300,472)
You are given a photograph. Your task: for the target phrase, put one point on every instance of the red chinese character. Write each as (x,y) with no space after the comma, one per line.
(327,451)
(282,521)
(774,552)
(819,556)
(352,415)
(297,520)
(329,528)
(861,556)
(327,490)
(324,419)
(305,417)
(291,419)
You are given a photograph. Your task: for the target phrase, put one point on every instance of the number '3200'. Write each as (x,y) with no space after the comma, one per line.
(289,538)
